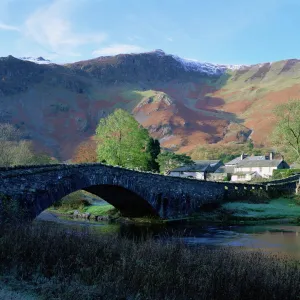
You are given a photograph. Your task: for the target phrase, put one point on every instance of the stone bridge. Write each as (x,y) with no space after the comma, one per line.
(134,193)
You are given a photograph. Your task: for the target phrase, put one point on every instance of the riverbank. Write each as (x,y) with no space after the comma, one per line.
(65,264)
(281,210)
(84,205)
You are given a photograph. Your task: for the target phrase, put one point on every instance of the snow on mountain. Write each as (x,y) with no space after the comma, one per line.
(38,60)
(204,67)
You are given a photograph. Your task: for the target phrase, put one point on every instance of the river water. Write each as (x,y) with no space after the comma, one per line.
(283,238)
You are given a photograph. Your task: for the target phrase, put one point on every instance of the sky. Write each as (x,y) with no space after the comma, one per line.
(216,31)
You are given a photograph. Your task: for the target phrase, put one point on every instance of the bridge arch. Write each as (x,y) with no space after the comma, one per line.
(35,188)
(126,201)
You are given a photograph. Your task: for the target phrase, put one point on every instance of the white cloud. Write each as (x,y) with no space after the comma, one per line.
(117,49)
(50,27)
(170,39)
(8,27)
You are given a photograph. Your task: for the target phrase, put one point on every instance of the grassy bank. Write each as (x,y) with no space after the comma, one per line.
(55,264)
(82,202)
(283,208)
(274,210)
(230,212)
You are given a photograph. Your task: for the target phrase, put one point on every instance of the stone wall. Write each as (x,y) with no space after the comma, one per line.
(134,193)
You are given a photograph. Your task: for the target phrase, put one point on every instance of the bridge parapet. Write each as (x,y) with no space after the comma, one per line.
(133,192)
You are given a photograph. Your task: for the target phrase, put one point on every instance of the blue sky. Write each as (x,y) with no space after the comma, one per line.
(217,31)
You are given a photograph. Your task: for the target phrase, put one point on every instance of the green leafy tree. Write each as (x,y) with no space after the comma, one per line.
(169,160)
(122,141)
(286,135)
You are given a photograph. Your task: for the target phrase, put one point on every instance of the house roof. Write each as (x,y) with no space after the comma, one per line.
(247,158)
(198,166)
(225,169)
(208,162)
(258,163)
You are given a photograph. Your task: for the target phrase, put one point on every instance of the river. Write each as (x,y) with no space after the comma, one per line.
(284,238)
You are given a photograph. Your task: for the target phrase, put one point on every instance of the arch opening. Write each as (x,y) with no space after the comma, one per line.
(127,202)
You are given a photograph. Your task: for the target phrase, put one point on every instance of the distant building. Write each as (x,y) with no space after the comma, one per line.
(246,168)
(201,169)
(244,176)
(263,168)
(245,157)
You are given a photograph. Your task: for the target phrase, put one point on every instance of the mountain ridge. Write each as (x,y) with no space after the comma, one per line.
(182,105)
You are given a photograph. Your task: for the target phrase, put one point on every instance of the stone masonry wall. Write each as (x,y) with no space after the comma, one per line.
(35,188)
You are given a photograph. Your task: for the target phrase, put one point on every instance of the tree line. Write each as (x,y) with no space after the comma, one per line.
(120,141)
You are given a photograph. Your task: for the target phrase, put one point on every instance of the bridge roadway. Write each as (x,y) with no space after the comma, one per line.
(33,189)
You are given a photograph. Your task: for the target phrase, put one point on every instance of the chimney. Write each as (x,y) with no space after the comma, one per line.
(271,155)
(243,156)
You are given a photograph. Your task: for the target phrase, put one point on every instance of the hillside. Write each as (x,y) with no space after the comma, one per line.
(183,103)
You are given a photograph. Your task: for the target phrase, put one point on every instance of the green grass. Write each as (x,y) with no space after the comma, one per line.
(82,201)
(282,208)
(100,210)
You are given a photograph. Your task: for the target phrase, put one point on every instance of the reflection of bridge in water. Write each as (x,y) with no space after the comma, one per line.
(134,193)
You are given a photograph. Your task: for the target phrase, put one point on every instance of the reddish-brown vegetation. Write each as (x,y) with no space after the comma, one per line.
(85,152)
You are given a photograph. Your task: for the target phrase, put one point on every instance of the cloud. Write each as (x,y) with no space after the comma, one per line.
(50,27)
(8,27)
(170,39)
(117,49)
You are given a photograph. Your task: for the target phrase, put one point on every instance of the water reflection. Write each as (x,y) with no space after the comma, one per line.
(283,238)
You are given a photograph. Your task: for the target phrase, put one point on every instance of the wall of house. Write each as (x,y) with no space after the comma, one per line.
(241,178)
(216,176)
(262,171)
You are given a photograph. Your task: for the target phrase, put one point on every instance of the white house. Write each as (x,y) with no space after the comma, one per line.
(198,170)
(244,176)
(246,170)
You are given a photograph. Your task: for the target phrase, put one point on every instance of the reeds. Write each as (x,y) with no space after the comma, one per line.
(60,264)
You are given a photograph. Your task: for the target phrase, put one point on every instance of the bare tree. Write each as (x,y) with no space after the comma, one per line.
(9,133)
(13,150)
(286,135)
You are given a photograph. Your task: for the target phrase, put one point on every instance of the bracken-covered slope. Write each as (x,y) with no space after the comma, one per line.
(183,103)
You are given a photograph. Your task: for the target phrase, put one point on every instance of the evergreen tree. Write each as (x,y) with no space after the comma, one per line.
(154,149)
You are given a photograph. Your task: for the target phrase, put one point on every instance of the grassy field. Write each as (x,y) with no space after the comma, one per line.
(283,208)
(57,264)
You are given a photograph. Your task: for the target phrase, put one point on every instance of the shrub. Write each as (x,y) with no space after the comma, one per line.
(284,173)
(74,200)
